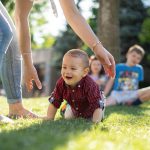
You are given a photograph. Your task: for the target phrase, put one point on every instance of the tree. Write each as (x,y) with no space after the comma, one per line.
(108,26)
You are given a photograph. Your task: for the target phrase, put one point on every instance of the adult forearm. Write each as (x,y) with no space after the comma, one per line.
(23,35)
(82,29)
(24,39)
(78,23)
(22,11)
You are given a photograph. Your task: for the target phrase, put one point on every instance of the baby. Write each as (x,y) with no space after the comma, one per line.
(78,89)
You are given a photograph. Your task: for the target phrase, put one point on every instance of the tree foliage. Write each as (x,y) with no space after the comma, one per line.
(37,20)
(145,32)
(40,39)
(132,15)
(9,4)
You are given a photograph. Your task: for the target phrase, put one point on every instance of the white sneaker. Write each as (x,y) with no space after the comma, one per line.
(103,104)
(4,120)
(103,114)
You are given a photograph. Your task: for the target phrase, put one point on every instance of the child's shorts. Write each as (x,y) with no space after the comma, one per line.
(122,97)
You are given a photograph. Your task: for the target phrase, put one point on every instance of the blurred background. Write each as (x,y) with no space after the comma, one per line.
(118,23)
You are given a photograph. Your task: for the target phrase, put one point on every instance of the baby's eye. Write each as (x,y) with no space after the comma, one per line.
(73,68)
(64,67)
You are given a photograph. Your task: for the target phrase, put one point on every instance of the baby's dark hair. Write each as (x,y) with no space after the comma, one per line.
(138,49)
(80,54)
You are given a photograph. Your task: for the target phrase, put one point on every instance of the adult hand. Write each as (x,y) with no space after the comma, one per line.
(107,60)
(30,75)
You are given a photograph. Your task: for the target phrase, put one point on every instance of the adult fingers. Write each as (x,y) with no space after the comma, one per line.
(37,81)
(29,85)
(109,65)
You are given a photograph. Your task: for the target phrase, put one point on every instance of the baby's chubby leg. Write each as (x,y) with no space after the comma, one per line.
(68,113)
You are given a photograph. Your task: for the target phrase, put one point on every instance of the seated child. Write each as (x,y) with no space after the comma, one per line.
(97,73)
(77,88)
(126,84)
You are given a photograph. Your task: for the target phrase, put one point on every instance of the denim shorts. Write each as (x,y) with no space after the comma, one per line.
(124,96)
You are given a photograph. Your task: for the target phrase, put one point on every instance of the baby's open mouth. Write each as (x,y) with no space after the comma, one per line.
(68,78)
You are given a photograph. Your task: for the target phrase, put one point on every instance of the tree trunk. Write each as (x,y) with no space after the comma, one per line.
(108,26)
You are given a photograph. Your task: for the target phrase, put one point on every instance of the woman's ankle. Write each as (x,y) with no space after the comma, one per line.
(16,108)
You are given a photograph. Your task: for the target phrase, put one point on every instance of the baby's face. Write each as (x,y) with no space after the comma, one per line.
(73,70)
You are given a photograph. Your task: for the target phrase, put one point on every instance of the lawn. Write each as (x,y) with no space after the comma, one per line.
(125,128)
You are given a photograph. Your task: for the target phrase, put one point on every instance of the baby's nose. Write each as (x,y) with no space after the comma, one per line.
(68,72)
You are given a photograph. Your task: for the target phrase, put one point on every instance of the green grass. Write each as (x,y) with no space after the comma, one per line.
(125,128)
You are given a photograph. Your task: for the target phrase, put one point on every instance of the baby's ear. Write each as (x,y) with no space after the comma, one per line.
(86,71)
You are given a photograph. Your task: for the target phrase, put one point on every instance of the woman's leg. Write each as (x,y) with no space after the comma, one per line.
(5,39)
(11,65)
(5,36)
(11,73)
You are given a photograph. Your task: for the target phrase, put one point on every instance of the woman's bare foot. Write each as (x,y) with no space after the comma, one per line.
(17,110)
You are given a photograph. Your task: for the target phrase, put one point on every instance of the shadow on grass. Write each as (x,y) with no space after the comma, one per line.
(47,135)
(128,110)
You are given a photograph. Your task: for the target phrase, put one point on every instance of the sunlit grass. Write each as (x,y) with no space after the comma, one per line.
(125,128)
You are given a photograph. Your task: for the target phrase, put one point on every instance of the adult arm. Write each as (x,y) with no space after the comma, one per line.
(22,10)
(84,31)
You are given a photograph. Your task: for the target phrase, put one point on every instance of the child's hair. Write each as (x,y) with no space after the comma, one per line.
(80,54)
(138,49)
(92,58)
